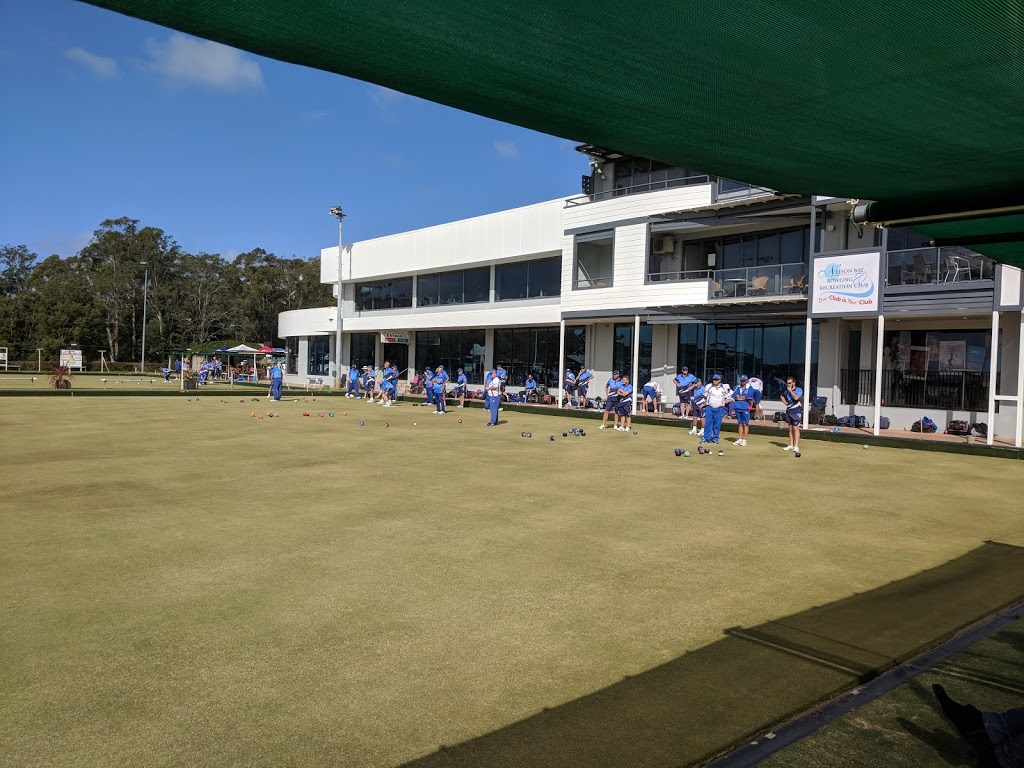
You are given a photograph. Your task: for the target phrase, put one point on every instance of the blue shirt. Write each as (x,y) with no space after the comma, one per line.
(584,377)
(613,385)
(502,374)
(370,380)
(353,373)
(625,391)
(748,392)
(462,380)
(570,378)
(530,384)
(276,373)
(698,396)
(439,381)
(684,381)
(390,374)
(792,400)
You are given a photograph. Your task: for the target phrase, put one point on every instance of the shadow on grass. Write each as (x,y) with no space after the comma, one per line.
(704,703)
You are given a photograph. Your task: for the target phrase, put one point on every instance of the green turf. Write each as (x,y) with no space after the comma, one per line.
(186,584)
(908,722)
(117,383)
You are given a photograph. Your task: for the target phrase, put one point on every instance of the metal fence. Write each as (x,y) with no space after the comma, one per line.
(924,266)
(946,390)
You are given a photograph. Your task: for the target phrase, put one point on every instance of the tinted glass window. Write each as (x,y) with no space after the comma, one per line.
(451,287)
(545,277)
(428,290)
(401,292)
(510,281)
(477,284)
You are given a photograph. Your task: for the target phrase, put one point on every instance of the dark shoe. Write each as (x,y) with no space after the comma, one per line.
(968,723)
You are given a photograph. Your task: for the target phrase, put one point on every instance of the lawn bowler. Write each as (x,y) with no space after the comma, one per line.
(370,382)
(582,385)
(353,381)
(428,385)
(440,380)
(276,380)
(697,402)
(745,399)
(493,389)
(685,383)
(717,397)
(792,398)
(611,388)
(652,396)
(461,385)
(570,386)
(624,406)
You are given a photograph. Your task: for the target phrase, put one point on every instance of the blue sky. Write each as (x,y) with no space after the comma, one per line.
(106,116)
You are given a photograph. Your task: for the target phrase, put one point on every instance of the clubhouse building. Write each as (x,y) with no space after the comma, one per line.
(655,267)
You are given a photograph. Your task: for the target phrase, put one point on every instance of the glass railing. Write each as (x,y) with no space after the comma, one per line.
(774,280)
(930,266)
(725,189)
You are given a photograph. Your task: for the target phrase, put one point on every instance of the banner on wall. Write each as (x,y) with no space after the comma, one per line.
(394,338)
(846,284)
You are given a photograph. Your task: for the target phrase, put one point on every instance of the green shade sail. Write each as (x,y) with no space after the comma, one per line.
(874,100)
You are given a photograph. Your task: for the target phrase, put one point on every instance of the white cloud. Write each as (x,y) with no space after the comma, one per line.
(315,114)
(185,60)
(100,66)
(506,149)
(387,102)
(60,243)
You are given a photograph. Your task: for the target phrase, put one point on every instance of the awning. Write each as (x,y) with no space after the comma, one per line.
(873,100)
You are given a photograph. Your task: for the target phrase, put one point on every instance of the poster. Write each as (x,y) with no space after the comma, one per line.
(976,358)
(846,284)
(933,346)
(918,361)
(952,355)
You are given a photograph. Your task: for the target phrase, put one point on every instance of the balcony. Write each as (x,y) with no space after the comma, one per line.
(934,266)
(724,189)
(759,282)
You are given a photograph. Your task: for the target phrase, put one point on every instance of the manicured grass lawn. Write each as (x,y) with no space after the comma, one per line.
(185,584)
(115,383)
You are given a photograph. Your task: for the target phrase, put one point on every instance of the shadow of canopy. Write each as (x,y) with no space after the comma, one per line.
(704,703)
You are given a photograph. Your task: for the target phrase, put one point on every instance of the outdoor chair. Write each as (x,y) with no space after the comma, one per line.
(758,285)
(956,266)
(797,284)
(717,290)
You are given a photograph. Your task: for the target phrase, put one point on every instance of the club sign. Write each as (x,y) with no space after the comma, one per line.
(846,284)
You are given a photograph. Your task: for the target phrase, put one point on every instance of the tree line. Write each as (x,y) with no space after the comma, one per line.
(94,299)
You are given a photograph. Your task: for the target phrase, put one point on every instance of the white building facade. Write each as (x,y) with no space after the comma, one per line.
(657,267)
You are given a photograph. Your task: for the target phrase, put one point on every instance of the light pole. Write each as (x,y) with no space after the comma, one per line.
(339,215)
(145,294)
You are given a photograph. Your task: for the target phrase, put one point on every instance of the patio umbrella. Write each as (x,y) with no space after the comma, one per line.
(245,349)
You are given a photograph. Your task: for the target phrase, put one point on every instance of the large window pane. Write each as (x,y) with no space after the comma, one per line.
(428,290)
(477,284)
(452,349)
(363,349)
(594,266)
(319,362)
(622,353)
(401,292)
(545,278)
(575,347)
(793,246)
(510,281)
(451,287)
(292,354)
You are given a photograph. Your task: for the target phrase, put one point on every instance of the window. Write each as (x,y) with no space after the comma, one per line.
(638,174)
(528,279)
(462,286)
(384,294)
(453,350)
(768,352)
(363,349)
(575,347)
(319,356)
(595,259)
(291,346)
(528,350)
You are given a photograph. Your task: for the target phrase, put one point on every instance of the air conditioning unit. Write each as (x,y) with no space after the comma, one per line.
(665,244)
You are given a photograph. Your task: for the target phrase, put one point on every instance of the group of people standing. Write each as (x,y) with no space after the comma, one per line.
(367,380)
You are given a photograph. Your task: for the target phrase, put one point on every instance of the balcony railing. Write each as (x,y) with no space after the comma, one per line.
(775,280)
(931,266)
(725,189)
(942,390)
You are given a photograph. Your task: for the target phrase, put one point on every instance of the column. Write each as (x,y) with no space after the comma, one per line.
(878,374)
(809,393)
(561,360)
(636,358)
(1020,385)
(993,355)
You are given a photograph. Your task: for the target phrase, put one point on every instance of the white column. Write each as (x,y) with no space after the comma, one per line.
(992,368)
(809,394)
(561,359)
(1020,385)
(636,359)
(879,346)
